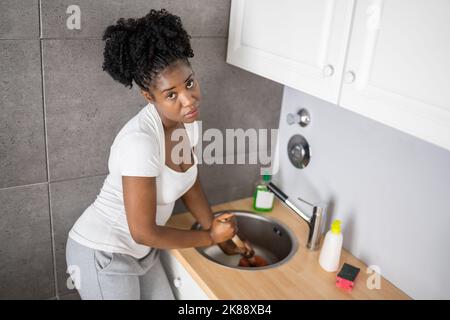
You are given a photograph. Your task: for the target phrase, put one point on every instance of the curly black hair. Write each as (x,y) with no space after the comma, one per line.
(138,49)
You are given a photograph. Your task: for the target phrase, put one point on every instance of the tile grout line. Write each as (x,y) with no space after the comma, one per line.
(24,185)
(39,18)
(105,174)
(19,39)
(95,38)
(54,181)
(79,178)
(52,234)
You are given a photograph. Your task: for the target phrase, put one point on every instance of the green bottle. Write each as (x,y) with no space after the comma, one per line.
(263,199)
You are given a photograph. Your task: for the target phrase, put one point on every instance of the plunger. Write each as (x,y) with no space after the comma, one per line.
(247,260)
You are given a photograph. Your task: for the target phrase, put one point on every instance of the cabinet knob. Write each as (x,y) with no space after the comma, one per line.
(349,77)
(328,70)
(177,282)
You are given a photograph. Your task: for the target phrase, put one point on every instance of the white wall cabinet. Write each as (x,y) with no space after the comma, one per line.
(390,58)
(299,43)
(184,287)
(398,66)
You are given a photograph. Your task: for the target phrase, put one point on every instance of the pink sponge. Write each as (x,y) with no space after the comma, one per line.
(346,277)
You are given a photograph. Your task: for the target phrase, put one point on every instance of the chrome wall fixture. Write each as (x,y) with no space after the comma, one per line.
(299,152)
(302,117)
(298,149)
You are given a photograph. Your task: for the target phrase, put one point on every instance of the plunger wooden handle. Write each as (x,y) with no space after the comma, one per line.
(237,241)
(247,260)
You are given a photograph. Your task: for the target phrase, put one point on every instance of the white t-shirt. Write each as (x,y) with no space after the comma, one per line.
(137,150)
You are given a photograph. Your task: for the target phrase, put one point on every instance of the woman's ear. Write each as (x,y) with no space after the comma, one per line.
(148,96)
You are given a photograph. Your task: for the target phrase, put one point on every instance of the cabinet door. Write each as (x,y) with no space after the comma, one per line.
(398,66)
(299,43)
(183,285)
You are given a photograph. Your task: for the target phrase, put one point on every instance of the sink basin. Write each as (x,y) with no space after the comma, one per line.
(271,240)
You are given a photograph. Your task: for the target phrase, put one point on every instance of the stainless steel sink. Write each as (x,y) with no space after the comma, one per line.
(270,238)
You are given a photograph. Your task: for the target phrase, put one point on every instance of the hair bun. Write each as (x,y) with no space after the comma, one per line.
(138,49)
(117,59)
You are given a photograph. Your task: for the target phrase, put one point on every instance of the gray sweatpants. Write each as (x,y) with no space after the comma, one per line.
(100,275)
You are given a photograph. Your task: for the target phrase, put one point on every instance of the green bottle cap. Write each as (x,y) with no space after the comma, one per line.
(266,177)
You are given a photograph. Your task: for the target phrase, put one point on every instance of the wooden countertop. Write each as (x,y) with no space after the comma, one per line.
(299,278)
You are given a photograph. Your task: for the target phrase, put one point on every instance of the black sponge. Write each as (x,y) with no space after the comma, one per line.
(348,272)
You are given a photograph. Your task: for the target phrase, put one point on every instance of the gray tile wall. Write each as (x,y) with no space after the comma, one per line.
(60,113)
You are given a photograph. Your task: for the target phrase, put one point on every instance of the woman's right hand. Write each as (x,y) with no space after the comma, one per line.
(223,228)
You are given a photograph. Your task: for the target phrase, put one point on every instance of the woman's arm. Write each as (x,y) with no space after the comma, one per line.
(140,206)
(195,201)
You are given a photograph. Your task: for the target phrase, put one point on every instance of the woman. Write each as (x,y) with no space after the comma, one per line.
(113,249)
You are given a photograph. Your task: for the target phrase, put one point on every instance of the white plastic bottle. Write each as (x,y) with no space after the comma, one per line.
(330,254)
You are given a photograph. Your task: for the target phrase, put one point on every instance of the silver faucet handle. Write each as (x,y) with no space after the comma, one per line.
(316,207)
(305,202)
(315,222)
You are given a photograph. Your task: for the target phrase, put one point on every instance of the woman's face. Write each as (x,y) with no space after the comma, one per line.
(175,92)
